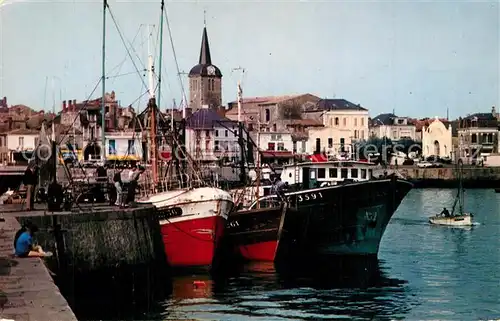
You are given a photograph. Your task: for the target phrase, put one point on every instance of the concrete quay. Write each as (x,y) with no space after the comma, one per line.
(27,291)
(86,241)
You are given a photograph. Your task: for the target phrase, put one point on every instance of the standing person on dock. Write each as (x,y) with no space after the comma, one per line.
(23,242)
(132,172)
(117,180)
(30,180)
(133,184)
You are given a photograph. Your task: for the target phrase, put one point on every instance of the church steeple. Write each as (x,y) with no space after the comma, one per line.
(205,58)
(205,79)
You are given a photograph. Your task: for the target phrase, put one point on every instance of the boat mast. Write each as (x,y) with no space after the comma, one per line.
(160,58)
(240,130)
(152,110)
(257,164)
(103,80)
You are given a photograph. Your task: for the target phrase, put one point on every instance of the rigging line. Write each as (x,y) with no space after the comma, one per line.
(121,75)
(173,51)
(78,115)
(120,65)
(123,41)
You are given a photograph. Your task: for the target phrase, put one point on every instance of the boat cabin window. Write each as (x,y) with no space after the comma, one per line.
(370,173)
(332,173)
(354,173)
(312,174)
(363,173)
(343,173)
(321,173)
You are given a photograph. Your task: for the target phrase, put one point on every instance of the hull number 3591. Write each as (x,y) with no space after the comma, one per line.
(309,196)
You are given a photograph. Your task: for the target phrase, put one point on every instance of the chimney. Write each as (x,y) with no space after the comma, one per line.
(64,106)
(5,102)
(494,111)
(68,106)
(74,104)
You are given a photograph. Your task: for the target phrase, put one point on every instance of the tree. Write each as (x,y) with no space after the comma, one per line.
(375,145)
(407,145)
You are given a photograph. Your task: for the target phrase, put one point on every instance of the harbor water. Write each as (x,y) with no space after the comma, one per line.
(424,272)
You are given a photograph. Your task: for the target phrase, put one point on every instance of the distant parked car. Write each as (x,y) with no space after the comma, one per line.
(424,165)
(429,165)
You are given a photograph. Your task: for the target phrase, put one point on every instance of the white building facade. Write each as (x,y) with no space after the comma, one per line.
(124,146)
(392,127)
(437,140)
(211,137)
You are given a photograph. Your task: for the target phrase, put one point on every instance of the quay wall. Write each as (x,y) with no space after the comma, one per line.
(446,177)
(98,238)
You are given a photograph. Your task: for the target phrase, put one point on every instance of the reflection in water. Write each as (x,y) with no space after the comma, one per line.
(258,290)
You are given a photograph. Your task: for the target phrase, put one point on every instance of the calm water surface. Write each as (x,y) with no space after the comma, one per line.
(424,272)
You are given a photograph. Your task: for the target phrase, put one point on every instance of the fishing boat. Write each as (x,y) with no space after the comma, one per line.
(253,232)
(459,218)
(329,208)
(192,218)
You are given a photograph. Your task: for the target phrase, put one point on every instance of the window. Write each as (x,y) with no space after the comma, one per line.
(354,173)
(216,133)
(355,122)
(207,133)
(225,133)
(130,147)
(342,143)
(394,134)
(345,121)
(318,145)
(474,138)
(332,173)
(321,173)
(281,146)
(362,121)
(363,173)
(216,146)
(268,115)
(270,146)
(343,173)
(356,134)
(21,142)
(303,147)
(490,138)
(112,147)
(330,142)
(362,136)
(274,127)
(336,121)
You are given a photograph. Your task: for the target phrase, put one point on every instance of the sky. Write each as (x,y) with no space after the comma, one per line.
(414,57)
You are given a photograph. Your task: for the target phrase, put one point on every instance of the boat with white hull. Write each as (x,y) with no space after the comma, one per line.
(459,218)
(192,223)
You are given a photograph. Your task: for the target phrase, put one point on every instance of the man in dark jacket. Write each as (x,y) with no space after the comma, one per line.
(30,180)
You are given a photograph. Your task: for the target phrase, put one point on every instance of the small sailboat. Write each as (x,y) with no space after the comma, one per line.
(459,218)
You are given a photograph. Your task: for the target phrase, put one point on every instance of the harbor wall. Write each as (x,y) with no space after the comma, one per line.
(446,177)
(98,239)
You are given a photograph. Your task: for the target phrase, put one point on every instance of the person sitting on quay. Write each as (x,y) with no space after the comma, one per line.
(23,242)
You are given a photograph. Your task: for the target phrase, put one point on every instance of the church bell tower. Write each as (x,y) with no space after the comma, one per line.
(205,80)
